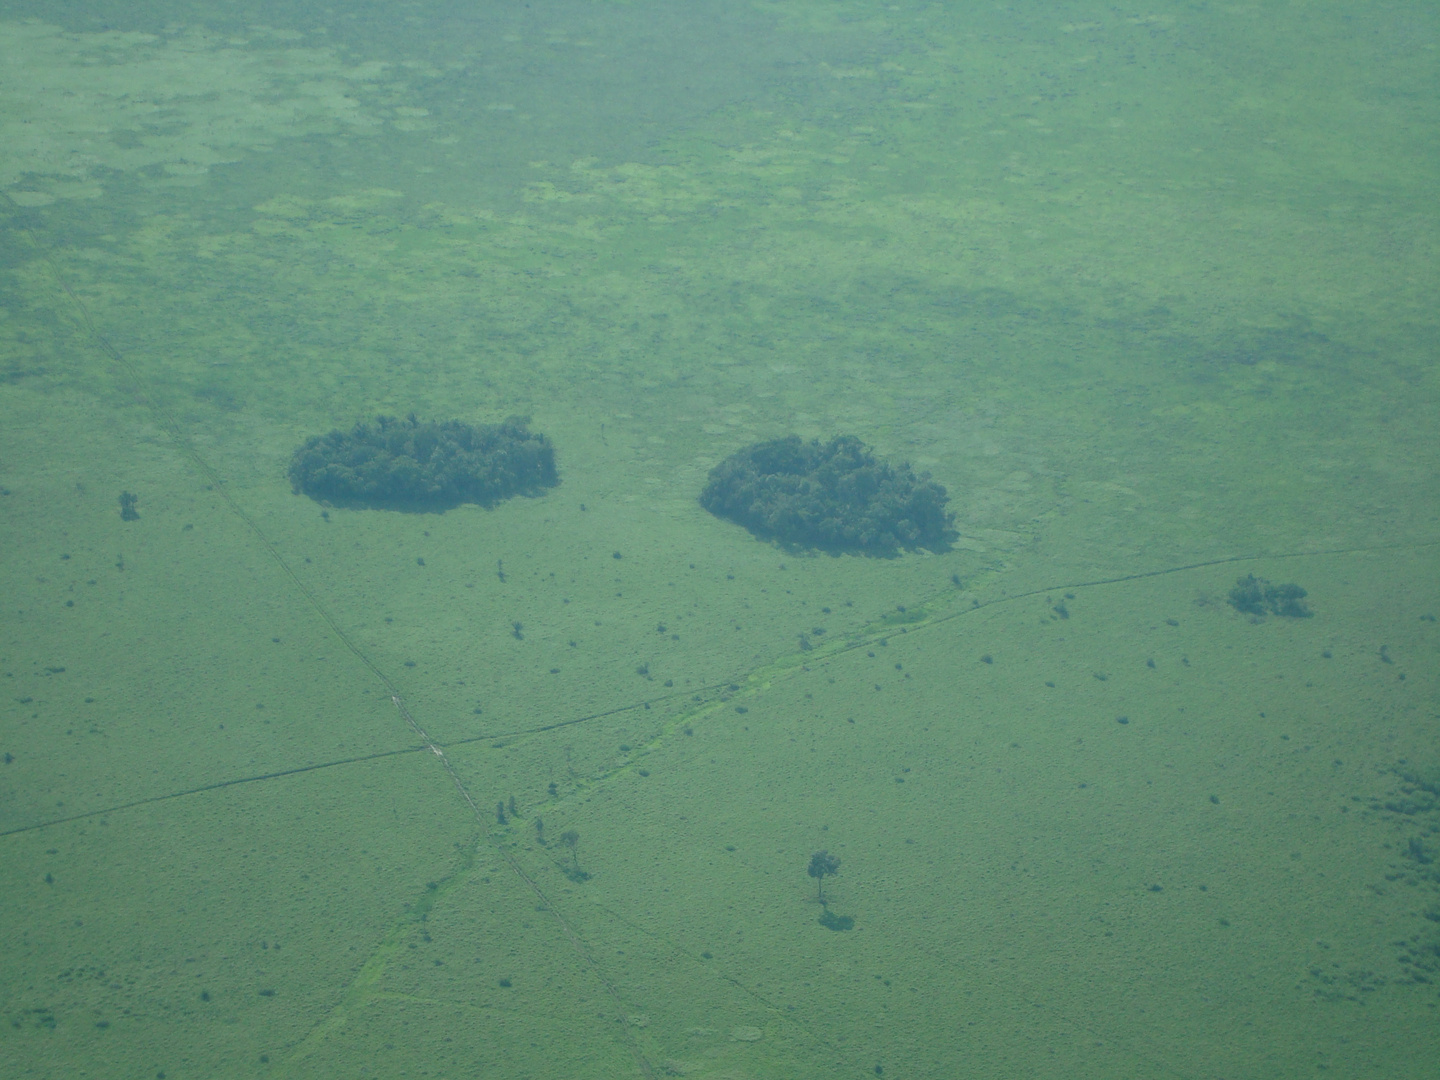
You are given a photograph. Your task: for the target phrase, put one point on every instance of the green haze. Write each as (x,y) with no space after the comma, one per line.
(1151,292)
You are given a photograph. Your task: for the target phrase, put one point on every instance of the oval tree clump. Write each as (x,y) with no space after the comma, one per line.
(835,496)
(424,465)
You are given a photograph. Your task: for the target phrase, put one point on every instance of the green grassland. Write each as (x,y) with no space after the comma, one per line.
(1151,294)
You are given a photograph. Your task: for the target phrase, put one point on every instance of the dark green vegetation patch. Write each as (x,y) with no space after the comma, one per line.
(835,496)
(432,465)
(1256,596)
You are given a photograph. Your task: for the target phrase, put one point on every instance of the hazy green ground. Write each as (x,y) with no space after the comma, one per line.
(1145,291)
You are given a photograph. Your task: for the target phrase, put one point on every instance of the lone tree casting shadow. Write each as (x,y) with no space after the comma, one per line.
(571,839)
(822,865)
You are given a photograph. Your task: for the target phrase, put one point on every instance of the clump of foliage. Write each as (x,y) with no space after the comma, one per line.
(431,465)
(1256,596)
(1421,791)
(835,496)
(127,506)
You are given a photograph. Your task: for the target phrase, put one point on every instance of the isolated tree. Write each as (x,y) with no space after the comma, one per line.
(571,839)
(822,865)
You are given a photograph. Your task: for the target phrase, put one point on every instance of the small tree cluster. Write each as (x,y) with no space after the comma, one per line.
(424,464)
(835,496)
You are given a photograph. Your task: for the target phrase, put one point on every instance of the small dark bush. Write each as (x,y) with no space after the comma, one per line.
(431,465)
(1256,596)
(835,496)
